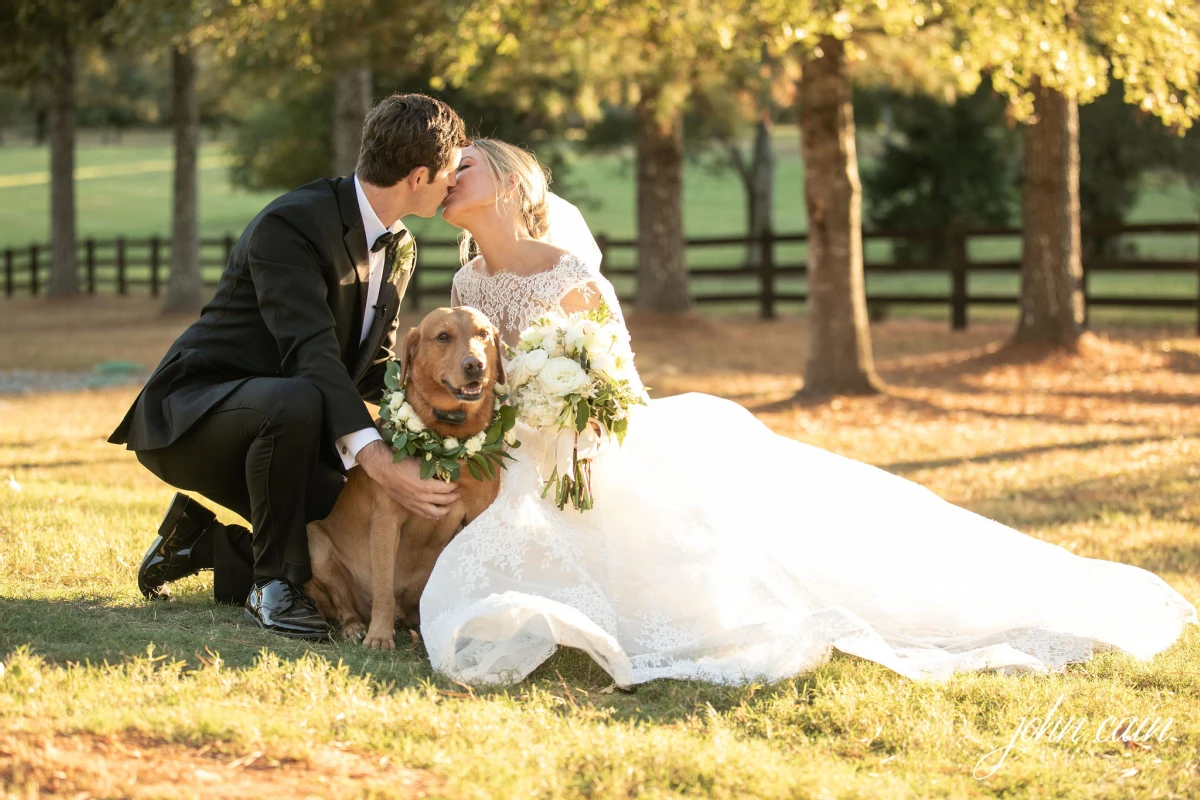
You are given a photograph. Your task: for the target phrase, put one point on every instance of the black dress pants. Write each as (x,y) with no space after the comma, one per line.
(260,453)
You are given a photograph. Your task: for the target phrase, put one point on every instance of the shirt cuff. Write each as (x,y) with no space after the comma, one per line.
(349,445)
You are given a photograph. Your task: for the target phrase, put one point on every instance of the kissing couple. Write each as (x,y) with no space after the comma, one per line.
(716,550)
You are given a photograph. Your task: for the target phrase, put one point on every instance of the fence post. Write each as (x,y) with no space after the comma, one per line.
(413,293)
(766,274)
(33,269)
(89,264)
(122,283)
(602,244)
(9,255)
(154,242)
(1083,289)
(956,254)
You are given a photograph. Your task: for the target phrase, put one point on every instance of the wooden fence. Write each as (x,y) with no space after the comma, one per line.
(122,265)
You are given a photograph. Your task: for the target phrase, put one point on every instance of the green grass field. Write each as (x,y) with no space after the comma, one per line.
(128,193)
(103,694)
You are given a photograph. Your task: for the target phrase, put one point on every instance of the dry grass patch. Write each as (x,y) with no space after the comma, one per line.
(1099,453)
(85,765)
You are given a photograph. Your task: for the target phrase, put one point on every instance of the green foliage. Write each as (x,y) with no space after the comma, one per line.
(37,33)
(1153,46)
(943,163)
(284,141)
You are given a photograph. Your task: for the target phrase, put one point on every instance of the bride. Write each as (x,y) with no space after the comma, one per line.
(691,566)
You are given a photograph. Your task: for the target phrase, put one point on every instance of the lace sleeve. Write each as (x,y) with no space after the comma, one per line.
(585,289)
(458,285)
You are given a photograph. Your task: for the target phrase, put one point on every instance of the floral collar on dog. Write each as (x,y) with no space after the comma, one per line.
(484,453)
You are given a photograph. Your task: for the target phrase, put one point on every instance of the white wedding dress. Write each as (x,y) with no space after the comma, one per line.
(695,566)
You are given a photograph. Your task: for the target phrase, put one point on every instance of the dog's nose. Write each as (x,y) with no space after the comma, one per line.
(472,367)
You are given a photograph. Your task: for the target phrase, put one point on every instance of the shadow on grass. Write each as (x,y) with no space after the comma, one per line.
(1164,495)
(98,630)
(904,467)
(102,629)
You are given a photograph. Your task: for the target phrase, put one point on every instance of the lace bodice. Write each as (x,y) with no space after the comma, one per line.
(513,301)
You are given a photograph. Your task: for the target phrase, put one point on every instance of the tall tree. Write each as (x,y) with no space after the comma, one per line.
(185,289)
(828,36)
(649,56)
(172,25)
(1048,58)
(43,40)
(351,99)
(285,43)
(839,358)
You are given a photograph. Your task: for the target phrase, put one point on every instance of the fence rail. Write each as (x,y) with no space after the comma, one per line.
(121,265)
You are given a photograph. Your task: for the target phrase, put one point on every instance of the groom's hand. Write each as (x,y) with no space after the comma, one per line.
(428,499)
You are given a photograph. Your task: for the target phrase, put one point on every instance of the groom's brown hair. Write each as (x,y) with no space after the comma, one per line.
(406,131)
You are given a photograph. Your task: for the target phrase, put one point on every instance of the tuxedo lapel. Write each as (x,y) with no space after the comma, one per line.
(355,237)
(385,308)
(391,292)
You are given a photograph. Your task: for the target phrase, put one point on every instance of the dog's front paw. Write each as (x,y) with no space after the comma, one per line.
(380,641)
(354,631)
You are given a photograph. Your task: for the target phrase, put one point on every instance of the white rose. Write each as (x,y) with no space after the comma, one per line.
(561,376)
(580,334)
(537,336)
(414,424)
(601,341)
(516,374)
(475,443)
(530,339)
(449,443)
(510,437)
(535,361)
(605,363)
(538,411)
(406,411)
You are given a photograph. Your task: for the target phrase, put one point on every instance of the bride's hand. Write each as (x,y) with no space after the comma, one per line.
(428,499)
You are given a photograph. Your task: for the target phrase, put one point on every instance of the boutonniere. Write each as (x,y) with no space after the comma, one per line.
(406,254)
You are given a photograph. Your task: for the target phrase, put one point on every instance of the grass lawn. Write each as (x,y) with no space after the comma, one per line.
(105,694)
(125,190)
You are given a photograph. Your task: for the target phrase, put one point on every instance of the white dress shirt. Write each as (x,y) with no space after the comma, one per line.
(349,445)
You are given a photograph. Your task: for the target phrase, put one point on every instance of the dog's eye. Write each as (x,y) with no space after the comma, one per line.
(482,335)
(443,337)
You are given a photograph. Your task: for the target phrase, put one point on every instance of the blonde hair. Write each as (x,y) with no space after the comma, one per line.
(528,204)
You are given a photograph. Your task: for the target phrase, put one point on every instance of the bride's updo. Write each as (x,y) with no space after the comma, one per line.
(510,165)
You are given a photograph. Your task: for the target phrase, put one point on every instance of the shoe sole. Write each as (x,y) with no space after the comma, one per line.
(307,637)
(174,514)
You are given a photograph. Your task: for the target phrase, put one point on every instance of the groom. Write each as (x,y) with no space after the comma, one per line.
(258,406)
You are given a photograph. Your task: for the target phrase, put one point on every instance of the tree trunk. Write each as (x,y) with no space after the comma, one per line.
(761,190)
(41,126)
(185,290)
(838,359)
(1051,260)
(64,281)
(662,277)
(351,101)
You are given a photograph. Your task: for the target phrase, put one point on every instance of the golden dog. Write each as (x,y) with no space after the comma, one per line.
(371,557)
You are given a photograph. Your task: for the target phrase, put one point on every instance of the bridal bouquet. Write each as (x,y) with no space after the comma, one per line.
(574,373)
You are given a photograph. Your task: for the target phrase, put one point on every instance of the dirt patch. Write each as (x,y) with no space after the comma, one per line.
(86,766)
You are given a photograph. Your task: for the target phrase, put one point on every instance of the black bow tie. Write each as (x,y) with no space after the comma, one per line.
(386,240)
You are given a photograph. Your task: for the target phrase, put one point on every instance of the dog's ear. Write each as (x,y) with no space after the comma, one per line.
(499,358)
(411,341)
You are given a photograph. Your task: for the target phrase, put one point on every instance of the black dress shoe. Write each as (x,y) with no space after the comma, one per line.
(281,607)
(170,556)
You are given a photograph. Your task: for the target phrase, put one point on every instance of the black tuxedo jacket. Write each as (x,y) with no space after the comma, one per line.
(289,303)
